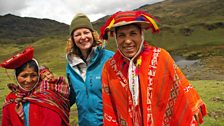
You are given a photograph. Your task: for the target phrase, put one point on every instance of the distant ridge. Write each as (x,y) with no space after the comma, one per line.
(178,12)
(25,29)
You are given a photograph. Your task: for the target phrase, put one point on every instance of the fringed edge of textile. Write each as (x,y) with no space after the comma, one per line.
(200,113)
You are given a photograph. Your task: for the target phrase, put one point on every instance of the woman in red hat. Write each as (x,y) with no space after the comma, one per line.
(34,102)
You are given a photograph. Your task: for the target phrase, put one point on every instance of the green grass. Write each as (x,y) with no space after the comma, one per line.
(175,40)
(212,93)
(48,51)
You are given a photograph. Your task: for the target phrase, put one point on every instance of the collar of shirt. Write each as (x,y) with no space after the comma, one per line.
(75,60)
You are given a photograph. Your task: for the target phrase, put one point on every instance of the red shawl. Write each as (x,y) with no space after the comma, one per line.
(52,95)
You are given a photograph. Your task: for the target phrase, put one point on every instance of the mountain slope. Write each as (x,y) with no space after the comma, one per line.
(23,29)
(178,12)
(185,23)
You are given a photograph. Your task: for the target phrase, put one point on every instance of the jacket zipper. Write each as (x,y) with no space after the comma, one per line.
(90,81)
(87,94)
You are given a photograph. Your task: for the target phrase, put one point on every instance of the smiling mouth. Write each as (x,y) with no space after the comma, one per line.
(27,86)
(130,48)
(84,42)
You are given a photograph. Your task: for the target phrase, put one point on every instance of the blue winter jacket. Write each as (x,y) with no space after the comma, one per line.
(88,94)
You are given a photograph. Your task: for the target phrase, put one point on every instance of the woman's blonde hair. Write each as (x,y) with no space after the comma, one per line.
(72,48)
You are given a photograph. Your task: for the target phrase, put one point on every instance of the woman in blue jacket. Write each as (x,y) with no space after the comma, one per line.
(85,60)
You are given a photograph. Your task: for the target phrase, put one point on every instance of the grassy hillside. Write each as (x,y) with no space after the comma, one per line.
(48,51)
(184,23)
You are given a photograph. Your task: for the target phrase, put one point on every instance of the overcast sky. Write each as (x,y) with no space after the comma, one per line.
(64,10)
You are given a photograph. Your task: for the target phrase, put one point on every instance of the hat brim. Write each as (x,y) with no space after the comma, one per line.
(142,24)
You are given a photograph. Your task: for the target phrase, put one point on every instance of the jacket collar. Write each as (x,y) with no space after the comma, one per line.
(74,60)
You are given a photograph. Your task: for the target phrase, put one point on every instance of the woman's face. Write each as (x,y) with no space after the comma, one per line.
(28,78)
(83,39)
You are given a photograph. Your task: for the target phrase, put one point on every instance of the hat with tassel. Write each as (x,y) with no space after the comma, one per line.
(122,18)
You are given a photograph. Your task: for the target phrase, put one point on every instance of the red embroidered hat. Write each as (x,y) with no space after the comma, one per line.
(19,59)
(120,18)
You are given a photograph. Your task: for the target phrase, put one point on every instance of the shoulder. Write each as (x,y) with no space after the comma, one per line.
(11,95)
(164,53)
(10,98)
(68,67)
(107,53)
(159,50)
(104,55)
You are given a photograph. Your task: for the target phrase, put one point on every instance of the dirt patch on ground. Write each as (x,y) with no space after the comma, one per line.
(216,114)
(208,68)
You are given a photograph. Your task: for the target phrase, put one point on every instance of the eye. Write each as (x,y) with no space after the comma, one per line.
(86,32)
(24,75)
(34,75)
(77,35)
(120,35)
(133,33)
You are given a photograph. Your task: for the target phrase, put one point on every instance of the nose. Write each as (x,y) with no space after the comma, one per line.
(29,79)
(128,40)
(83,36)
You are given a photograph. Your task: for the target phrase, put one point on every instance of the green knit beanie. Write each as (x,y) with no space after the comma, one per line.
(80,21)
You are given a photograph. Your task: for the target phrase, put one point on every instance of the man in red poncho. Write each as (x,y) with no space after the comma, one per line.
(142,85)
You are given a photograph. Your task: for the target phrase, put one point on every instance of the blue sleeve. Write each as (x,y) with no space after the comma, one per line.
(108,53)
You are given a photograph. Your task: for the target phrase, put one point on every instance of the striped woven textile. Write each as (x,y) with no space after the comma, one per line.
(50,94)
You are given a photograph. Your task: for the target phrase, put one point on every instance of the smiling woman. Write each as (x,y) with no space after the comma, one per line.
(34,101)
(85,59)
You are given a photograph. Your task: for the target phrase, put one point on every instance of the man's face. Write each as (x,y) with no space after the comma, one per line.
(128,40)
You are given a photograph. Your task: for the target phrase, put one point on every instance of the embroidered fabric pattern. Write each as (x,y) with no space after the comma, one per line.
(124,84)
(123,81)
(151,75)
(173,95)
(109,118)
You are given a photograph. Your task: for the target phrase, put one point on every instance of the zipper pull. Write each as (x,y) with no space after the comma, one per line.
(91,81)
(87,94)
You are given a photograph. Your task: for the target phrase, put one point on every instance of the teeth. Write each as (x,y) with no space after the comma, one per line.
(128,48)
